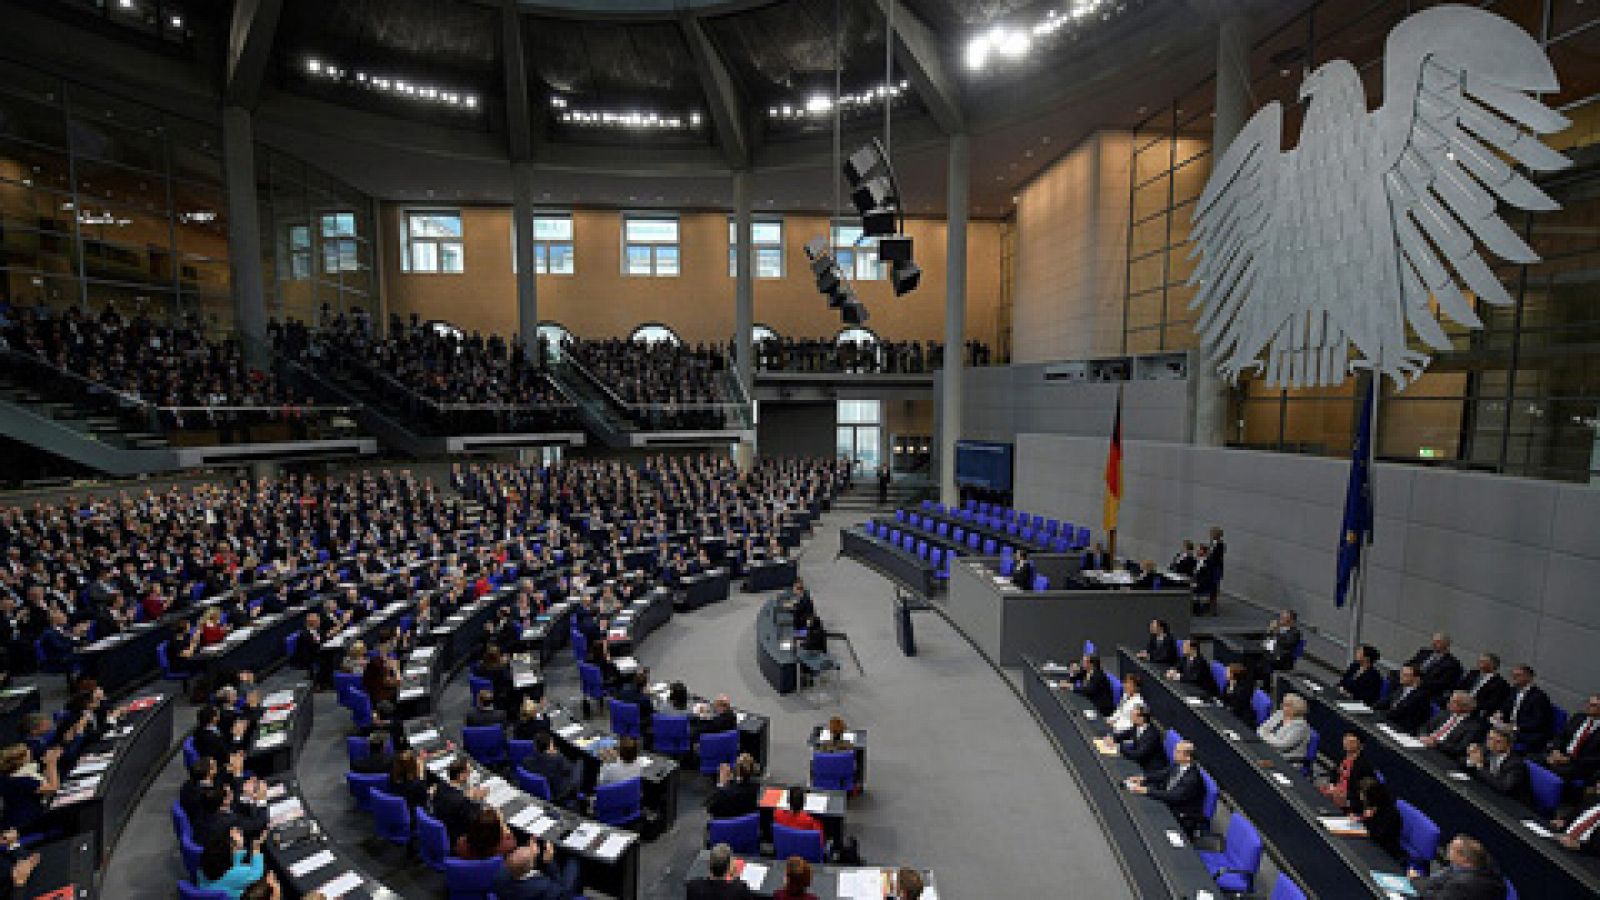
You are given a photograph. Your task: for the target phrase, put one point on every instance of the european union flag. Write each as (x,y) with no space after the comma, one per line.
(1357,528)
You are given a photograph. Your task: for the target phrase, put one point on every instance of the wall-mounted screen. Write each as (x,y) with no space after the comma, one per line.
(984,464)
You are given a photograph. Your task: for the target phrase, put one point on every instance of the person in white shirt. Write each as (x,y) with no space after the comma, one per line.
(1122,717)
(1286,729)
(626,765)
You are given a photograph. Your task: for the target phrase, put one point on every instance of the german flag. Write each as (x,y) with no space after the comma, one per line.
(1113,501)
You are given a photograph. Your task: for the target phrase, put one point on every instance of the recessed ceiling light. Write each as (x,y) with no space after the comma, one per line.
(177,21)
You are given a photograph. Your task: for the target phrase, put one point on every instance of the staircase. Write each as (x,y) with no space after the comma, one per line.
(598,413)
(349,390)
(862,495)
(69,431)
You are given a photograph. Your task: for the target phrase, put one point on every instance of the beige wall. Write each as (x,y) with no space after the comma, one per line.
(599,301)
(1071,256)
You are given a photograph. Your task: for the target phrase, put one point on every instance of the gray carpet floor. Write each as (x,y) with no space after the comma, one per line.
(960,777)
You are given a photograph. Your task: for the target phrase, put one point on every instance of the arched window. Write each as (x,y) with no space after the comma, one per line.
(445,329)
(759,333)
(856,334)
(655,333)
(555,336)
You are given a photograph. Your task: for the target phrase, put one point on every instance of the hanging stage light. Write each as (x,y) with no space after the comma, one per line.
(876,195)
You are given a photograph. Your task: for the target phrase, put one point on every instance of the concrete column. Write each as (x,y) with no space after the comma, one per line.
(1210,392)
(744,303)
(244,233)
(527,268)
(955,316)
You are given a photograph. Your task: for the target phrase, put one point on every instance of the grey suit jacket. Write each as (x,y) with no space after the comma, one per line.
(1291,738)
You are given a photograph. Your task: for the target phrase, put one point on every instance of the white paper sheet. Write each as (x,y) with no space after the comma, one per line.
(753,875)
(612,846)
(816,803)
(311,863)
(340,886)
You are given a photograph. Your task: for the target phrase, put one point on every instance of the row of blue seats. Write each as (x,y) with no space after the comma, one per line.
(1036,538)
(940,557)
(997,516)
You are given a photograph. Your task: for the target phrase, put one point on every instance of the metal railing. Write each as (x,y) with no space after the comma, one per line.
(671,416)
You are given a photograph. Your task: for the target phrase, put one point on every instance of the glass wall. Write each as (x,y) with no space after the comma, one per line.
(317,240)
(1522,395)
(104,201)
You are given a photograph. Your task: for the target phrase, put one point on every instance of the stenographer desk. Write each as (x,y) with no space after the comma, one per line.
(775,646)
(1282,803)
(1007,624)
(1156,854)
(66,871)
(897,564)
(695,591)
(1458,804)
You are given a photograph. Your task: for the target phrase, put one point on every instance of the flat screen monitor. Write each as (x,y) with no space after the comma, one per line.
(984,464)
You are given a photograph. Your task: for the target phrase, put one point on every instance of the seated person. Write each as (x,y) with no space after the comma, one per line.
(487,836)
(532,873)
(1192,669)
(1501,767)
(719,883)
(1374,806)
(719,718)
(1090,680)
(1178,785)
(455,801)
(530,720)
(738,792)
(1406,707)
(796,879)
(1470,875)
(1455,728)
(1286,730)
(794,815)
(1160,649)
(635,689)
(26,785)
(1122,716)
(1354,766)
(484,712)
(227,865)
(1140,741)
(1361,680)
(622,763)
(804,607)
(1575,752)
(497,669)
(546,760)
(408,779)
(835,737)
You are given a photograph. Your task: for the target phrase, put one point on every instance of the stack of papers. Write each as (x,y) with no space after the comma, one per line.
(860,884)
(1343,825)
(311,863)
(570,730)
(284,811)
(340,886)
(581,837)
(426,736)
(753,875)
(613,845)
(1354,706)
(816,803)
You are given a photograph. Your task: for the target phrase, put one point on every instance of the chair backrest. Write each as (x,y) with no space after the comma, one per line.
(190,754)
(1008,564)
(1083,537)
(1208,807)
(537,785)
(1116,690)
(470,879)
(190,850)
(1261,704)
(618,803)
(391,816)
(717,748)
(344,683)
(973,540)
(801,842)
(1546,787)
(1312,743)
(1171,740)
(742,833)
(669,733)
(1419,836)
(360,708)
(161,659)
(486,743)
(180,820)
(476,686)
(1243,847)
(1511,890)
(433,840)
(580,647)
(625,719)
(1041,583)
(357,748)
(361,787)
(187,891)
(517,751)
(1559,717)
(1219,675)
(1286,889)
(988,546)
(834,771)
(594,684)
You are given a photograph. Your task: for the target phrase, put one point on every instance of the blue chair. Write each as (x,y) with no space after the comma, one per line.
(742,833)
(669,734)
(988,547)
(357,748)
(191,854)
(187,891)
(168,673)
(57,665)
(1116,690)
(594,684)
(360,709)
(625,719)
(392,817)
(1546,788)
(620,803)
(1041,583)
(1170,740)
(433,841)
(486,743)
(1234,868)
(1261,705)
(476,686)
(361,787)
(517,750)
(1312,744)
(537,785)
(801,842)
(1208,806)
(1219,676)
(717,748)
(1286,889)
(1007,565)
(1511,890)
(1419,836)
(190,754)
(834,771)
(343,684)
(580,646)
(180,821)
(470,879)
(291,644)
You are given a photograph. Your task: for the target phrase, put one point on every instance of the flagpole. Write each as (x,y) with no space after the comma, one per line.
(1358,604)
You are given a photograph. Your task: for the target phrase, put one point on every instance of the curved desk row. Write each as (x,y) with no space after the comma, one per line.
(281,734)
(583,743)
(695,591)
(303,855)
(111,776)
(765,876)
(775,646)
(609,856)
(907,569)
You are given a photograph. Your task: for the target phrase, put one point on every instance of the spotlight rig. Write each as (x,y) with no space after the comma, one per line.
(832,283)
(876,195)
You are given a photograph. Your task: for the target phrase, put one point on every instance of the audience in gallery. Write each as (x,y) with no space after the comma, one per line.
(833,355)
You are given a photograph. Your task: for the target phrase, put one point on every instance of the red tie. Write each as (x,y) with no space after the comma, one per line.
(1444,729)
(1583,825)
(1583,735)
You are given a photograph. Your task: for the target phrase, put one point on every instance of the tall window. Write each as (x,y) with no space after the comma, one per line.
(432,241)
(650,246)
(299,252)
(859,433)
(857,255)
(766,247)
(552,244)
(339,242)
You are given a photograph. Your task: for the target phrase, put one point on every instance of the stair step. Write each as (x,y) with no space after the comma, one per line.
(150,444)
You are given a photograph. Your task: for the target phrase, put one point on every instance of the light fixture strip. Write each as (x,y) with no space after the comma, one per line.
(635,119)
(820,105)
(335,73)
(1014,43)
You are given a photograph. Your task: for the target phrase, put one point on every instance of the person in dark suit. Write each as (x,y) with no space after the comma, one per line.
(484,711)
(636,690)
(1098,560)
(1455,728)
(1487,685)
(408,779)
(719,883)
(738,792)
(1090,680)
(210,740)
(1237,693)
(1140,742)
(1282,643)
(1406,707)
(719,718)
(1184,562)
(1527,710)
(1217,552)
(1160,649)
(309,644)
(378,761)
(1470,875)
(1192,669)
(1439,668)
(804,607)
(1374,805)
(1022,572)
(532,873)
(1502,768)
(1575,752)
(546,760)
(1178,786)
(454,801)
(1361,680)
(1205,582)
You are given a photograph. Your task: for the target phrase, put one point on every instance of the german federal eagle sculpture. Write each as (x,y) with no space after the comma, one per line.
(1374,221)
